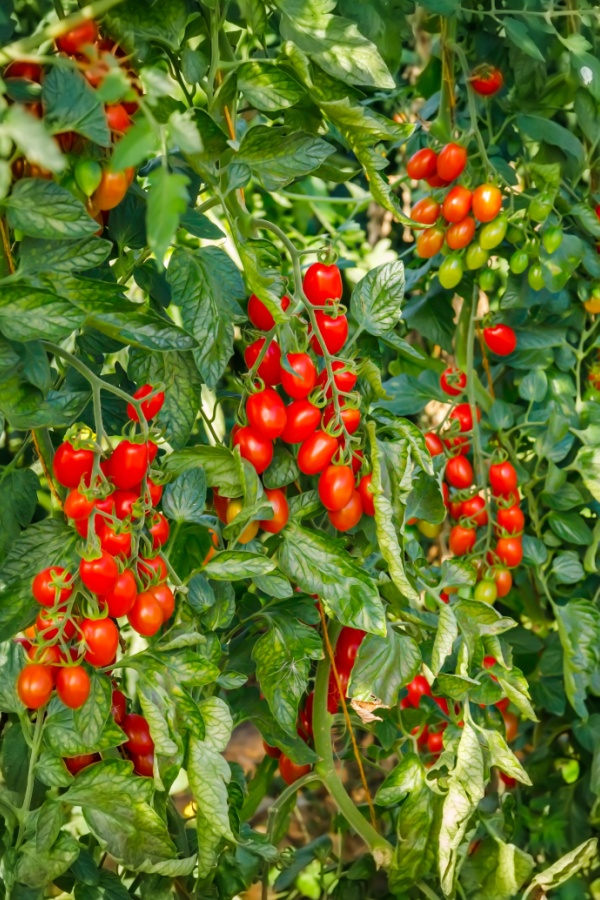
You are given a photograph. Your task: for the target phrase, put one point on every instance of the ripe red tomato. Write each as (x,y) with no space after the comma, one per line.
(500,339)
(77,506)
(143,764)
(255,448)
(273,752)
(111,190)
(511,519)
(510,551)
(366,497)
(220,505)
(336,486)
(422,164)
(260,316)
(150,408)
(451,161)
(159,530)
(435,181)
(435,741)
(457,204)
(270,367)
(455,508)
(503,579)
(453,381)
(19,68)
(511,723)
(316,452)
(281,513)
(153,567)
(346,518)
(503,478)
(460,234)
(346,648)
(73,686)
(418,687)
(291,771)
(99,575)
(322,283)
(146,615)
(138,734)
(333,694)
(76,763)
(50,586)
(357,458)
(302,420)
(266,413)
(487,202)
(35,685)
(434,443)
(462,412)
(486,80)
(122,597)
(128,464)
(430,242)
(118,708)
(117,543)
(117,118)
(300,385)
(49,624)
(71,466)
(426,211)
(156,491)
(461,540)
(76,39)
(459,472)
(50,655)
(101,637)
(350,416)
(123,503)
(343,377)
(165,598)
(475,510)
(333,331)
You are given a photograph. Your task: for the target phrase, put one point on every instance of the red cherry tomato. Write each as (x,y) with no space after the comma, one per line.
(71,466)
(111,190)
(500,339)
(291,771)
(503,579)
(426,211)
(77,506)
(511,724)
(143,764)
(117,118)
(462,412)
(475,510)
(76,39)
(159,530)
(333,331)
(281,513)
(220,504)
(510,551)
(76,763)
(156,491)
(316,452)
(101,637)
(100,574)
(270,368)
(117,543)
(322,283)
(451,161)
(50,655)
(435,741)
(460,234)
(255,448)
(73,686)
(343,377)
(346,648)
(511,519)
(487,202)
(153,567)
(35,685)
(366,497)
(165,598)
(49,624)
(336,486)
(435,181)
(118,708)
(422,164)
(461,540)
(357,458)
(29,71)
(417,688)
(430,242)
(486,80)
(273,752)
(333,694)
(138,734)
(453,382)
(457,204)
(47,586)
(302,421)
(260,316)
(122,597)
(146,615)
(150,408)
(503,478)
(128,464)
(434,443)
(459,472)
(350,416)
(266,413)
(299,385)
(123,503)
(346,518)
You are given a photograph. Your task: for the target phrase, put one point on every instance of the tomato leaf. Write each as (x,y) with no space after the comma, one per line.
(268,86)
(44,209)
(237,564)
(377,299)
(383,666)
(90,718)
(72,104)
(184,499)
(276,157)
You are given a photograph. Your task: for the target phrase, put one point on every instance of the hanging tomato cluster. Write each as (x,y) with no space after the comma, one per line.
(320,418)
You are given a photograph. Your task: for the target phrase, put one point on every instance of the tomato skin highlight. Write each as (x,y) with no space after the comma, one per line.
(451,161)
(459,472)
(146,615)
(500,339)
(278,500)
(487,202)
(299,386)
(316,452)
(255,448)
(35,685)
(259,314)
(270,367)
(333,331)
(71,466)
(366,497)
(303,419)
(150,408)
(73,686)
(322,283)
(266,413)
(346,518)
(336,486)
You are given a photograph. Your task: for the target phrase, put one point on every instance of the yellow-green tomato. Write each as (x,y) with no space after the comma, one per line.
(539,209)
(519,262)
(552,238)
(487,280)
(88,175)
(450,272)
(428,530)
(486,591)
(476,256)
(535,277)
(514,235)
(493,233)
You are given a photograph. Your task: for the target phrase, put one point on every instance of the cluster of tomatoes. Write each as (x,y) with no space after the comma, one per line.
(453,215)
(320,419)
(90,177)
(111,504)
(139,746)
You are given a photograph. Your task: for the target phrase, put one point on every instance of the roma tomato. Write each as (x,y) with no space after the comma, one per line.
(539,208)
(281,513)
(503,579)
(435,181)
(159,530)
(459,472)
(457,204)
(256,449)
(300,384)
(450,272)
(71,466)
(76,763)
(316,452)
(155,490)
(426,211)
(461,540)
(552,239)
(434,443)
(503,478)
(487,202)
(251,530)
(346,648)
(270,367)
(435,741)
(117,118)
(366,497)
(220,504)
(511,723)
(492,234)
(165,598)
(322,283)
(336,486)
(111,190)
(99,575)
(52,586)
(302,421)
(430,242)
(146,615)
(333,332)
(535,277)
(511,519)
(350,416)
(49,655)
(143,764)
(291,771)
(73,686)
(101,638)
(150,408)
(266,413)
(118,708)
(138,734)
(475,510)
(259,314)
(500,339)
(486,80)
(128,464)
(519,262)
(35,685)
(460,234)
(350,515)
(422,164)
(417,688)
(451,161)
(343,377)
(453,382)
(486,591)
(509,551)
(273,752)
(476,257)
(74,41)
(462,412)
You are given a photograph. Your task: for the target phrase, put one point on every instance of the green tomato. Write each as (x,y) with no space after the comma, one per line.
(71,185)
(493,233)
(476,256)
(519,262)
(88,174)
(450,272)
(535,277)
(428,530)
(487,280)
(552,238)
(514,235)
(539,208)
(486,591)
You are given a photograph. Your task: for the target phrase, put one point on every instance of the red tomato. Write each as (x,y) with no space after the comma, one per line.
(49,624)
(76,763)
(156,491)
(322,283)
(451,161)
(51,586)
(77,506)
(346,648)
(430,242)
(110,191)
(500,339)
(300,385)
(278,501)
(503,478)
(128,464)
(117,543)
(336,486)
(435,181)
(220,504)
(270,367)
(462,412)
(435,741)
(350,416)
(101,637)
(486,80)
(165,598)
(457,204)
(76,39)
(453,382)
(71,466)
(366,497)
(344,378)
(73,686)
(418,687)
(35,685)
(510,551)
(117,118)
(138,734)
(146,615)
(153,567)
(426,211)
(255,448)
(150,408)
(99,575)
(422,164)
(511,724)
(159,529)
(260,316)
(461,540)
(122,597)
(460,234)
(455,508)
(266,413)
(123,503)
(273,752)
(434,443)
(143,764)
(357,458)
(118,709)
(459,472)
(511,519)
(302,420)
(346,518)
(333,694)
(487,202)
(503,579)
(333,332)
(291,771)
(316,452)
(29,71)
(475,510)
(49,655)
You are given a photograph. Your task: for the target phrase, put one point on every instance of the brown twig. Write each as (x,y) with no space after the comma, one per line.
(6,246)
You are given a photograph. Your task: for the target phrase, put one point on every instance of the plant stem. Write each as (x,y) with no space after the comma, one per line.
(35,749)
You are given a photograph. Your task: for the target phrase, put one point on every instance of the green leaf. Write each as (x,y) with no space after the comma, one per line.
(446,634)
(567,568)
(383,666)
(63,735)
(184,499)
(177,371)
(502,756)
(28,314)
(565,867)
(534,386)
(518,33)
(283,469)
(49,822)
(376,302)
(36,869)
(496,870)
(37,255)
(137,22)
(541,129)
(558,267)
(72,104)
(219,466)
(425,500)
(275,585)
(18,500)
(261,260)
(44,209)
(90,718)
(136,145)
(587,463)
(32,138)
(579,630)
(200,225)
(267,86)
(12,660)
(570,527)
(167,201)
(277,158)
(413,856)
(236,564)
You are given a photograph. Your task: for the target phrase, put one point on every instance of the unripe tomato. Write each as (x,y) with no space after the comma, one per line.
(316,452)
(425,211)
(461,540)
(503,477)
(422,164)
(503,579)
(475,510)
(593,304)
(346,518)
(453,382)
(48,586)
(509,551)
(462,412)
(336,486)
(552,238)
(511,519)
(146,615)
(511,723)
(535,277)
(457,204)
(539,208)
(117,118)
(366,497)
(486,80)
(460,234)
(487,202)
(256,449)
(299,385)
(111,190)
(459,472)
(434,443)
(430,242)
(259,314)
(143,764)
(451,161)
(417,688)
(500,339)
(76,763)
(101,637)
(476,257)
(99,575)
(429,529)
(250,531)
(118,708)
(266,413)
(281,513)
(71,466)
(333,331)
(35,685)
(302,420)
(165,598)
(150,408)
(76,39)
(486,591)
(519,262)
(492,234)
(349,415)
(270,367)
(138,734)
(322,283)
(128,464)
(450,272)
(291,771)
(73,686)
(88,175)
